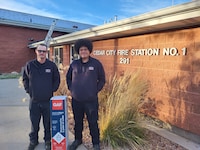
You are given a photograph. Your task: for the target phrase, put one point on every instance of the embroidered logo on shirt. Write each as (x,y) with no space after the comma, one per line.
(91,68)
(48,70)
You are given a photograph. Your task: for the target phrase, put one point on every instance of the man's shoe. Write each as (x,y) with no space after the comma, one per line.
(96,147)
(32,146)
(75,144)
(48,145)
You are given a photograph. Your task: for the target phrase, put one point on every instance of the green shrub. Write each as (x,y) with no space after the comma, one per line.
(119,118)
(10,76)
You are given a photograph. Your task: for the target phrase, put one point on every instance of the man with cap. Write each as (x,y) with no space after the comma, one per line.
(85,78)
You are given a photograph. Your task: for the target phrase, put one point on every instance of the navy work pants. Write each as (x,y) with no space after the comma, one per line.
(91,110)
(38,110)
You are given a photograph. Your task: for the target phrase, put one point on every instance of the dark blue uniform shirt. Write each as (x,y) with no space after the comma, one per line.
(41,80)
(85,80)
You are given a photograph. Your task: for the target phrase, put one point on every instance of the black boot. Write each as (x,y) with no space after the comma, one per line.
(48,145)
(32,146)
(75,144)
(96,147)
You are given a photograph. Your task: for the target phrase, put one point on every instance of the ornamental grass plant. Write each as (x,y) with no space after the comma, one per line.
(63,90)
(119,119)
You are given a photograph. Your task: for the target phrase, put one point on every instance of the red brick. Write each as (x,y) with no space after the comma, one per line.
(13,46)
(174,80)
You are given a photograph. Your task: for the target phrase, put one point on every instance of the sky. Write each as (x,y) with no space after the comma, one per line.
(95,12)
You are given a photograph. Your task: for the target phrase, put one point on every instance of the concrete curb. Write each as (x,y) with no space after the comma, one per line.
(190,145)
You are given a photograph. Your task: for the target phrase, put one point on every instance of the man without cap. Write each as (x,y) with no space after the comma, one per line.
(85,78)
(40,78)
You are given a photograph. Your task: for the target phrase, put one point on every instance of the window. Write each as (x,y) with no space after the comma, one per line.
(58,55)
(73,54)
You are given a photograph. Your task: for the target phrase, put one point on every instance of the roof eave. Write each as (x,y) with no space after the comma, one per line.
(184,15)
(35,26)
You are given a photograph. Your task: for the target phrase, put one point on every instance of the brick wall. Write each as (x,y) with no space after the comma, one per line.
(66,50)
(174,94)
(13,46)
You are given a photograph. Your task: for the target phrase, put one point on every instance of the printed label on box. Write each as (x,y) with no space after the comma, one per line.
(59,128)
(57,105)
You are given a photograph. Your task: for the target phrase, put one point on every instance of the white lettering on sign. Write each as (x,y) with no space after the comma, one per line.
(122,52)
(62,124)
(169,51)
(111,52)
(184,50)
(57,104)
(124,61)
(149,52)
(99,52)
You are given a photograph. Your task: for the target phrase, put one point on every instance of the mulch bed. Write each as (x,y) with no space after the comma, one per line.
(155,141)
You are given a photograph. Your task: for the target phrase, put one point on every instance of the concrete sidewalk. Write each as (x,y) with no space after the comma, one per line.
(15,124)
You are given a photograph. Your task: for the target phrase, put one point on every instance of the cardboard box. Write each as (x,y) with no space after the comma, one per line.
(59,123)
